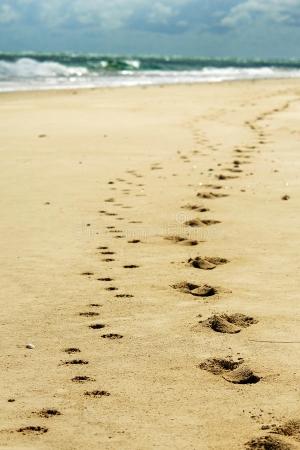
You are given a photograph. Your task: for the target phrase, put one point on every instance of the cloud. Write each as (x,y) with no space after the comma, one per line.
(107,15)
(278,11)
(7,14)
(157,16)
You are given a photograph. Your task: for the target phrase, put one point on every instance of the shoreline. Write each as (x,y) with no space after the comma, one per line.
(137,221)
(148,86)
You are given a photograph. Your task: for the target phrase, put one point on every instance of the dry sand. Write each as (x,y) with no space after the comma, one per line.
(82,175)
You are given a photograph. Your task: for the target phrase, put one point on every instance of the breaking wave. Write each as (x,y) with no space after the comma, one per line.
(66,70)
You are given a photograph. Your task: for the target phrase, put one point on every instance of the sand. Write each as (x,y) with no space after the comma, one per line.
(174,349)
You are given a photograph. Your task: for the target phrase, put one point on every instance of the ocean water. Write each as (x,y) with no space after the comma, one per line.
(34,71)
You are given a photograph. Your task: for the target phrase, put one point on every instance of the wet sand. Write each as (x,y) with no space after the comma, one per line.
(150,268)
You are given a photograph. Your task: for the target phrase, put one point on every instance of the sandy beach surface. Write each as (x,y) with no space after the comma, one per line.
(150,268)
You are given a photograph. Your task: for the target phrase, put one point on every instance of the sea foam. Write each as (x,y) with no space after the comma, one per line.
(65,70)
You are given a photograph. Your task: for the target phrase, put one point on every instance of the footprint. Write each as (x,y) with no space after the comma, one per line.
(47,413)
(290,429)
(97,326)
(195,289)
(89,314)
(82,379)
(108,260)
(237,163)
(111,288)
(130,266)
(156,168)
(181,240)
(213,186)
(32,430)
(105,279)
(75,362)
(112,336)
(107,253)
(210,195)
(267,443)
(230,324)
(227,177)
(72,350)
(134,241)
(87,273)
(197,208)
(234,170)
(97,394)
(206,263)
(201,223)
(230,370)
(95,305)
(124,296)
(102,248)
(218,366)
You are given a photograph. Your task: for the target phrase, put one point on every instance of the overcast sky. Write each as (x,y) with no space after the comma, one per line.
(261,28)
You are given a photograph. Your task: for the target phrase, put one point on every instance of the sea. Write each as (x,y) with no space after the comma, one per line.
(36,71)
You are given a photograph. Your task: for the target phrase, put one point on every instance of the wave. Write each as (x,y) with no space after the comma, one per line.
(29,68)
(44,71)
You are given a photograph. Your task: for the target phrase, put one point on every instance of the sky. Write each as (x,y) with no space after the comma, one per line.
(241,28)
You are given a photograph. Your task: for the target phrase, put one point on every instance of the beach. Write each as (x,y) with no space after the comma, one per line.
(150,267)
